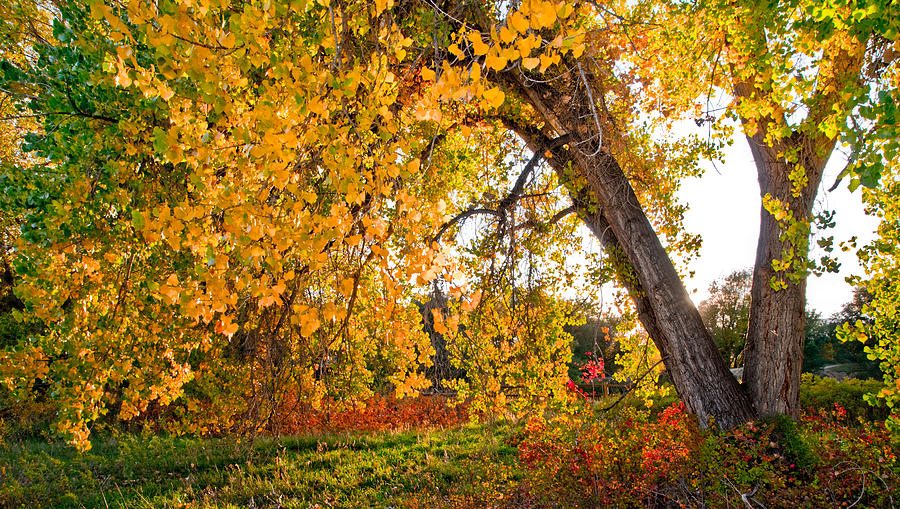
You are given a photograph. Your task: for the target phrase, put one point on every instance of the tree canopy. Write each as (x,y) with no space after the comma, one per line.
(221,202)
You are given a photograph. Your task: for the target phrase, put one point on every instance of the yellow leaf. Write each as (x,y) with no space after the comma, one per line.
(472,303)
(228,40)
(578,45)
(510,53)
(526,44)
(546,62)
(165,92)
(381,5)
(564,9)
(507,36)
(543,15)
(427,74)
(347,286)
(475,75)
(478,45)
(226,326)
(495,62)
(530,62)
(518,22)
(308,324)
(331,311)
(438,322)
(427,112)
(122,78)
(494,97)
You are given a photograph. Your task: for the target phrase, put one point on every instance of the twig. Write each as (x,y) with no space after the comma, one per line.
(626,393)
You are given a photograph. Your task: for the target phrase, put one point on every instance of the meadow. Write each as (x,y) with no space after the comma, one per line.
(403,454)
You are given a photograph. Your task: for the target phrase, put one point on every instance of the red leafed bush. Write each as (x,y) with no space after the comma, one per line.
(604,462)
(635,460)
(379,413)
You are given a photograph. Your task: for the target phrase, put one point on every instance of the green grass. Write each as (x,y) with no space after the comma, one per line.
(376,470)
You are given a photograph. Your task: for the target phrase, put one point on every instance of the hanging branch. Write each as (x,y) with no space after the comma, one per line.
(514,195)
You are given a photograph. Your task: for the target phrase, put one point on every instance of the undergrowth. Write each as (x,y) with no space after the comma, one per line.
(423,454)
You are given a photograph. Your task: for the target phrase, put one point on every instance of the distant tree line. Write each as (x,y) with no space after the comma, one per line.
(726,312)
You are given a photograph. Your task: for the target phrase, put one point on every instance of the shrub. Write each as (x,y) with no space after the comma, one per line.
(634,459)
(614,462)
(818,393)
(379,413)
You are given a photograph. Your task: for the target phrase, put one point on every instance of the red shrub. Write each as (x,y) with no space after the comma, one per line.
(634,460)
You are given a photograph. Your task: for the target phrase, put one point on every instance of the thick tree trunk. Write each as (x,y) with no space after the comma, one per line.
(773,354)
(698,371)
(700,375)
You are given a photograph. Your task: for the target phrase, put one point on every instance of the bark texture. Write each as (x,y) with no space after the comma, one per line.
(773,354)
(774,349)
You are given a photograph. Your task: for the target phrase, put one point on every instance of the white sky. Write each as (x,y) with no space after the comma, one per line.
(725,208)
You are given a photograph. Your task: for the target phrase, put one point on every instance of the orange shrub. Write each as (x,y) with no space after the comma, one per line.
(379,413)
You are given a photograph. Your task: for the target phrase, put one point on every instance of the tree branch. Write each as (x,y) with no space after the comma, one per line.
(462,216)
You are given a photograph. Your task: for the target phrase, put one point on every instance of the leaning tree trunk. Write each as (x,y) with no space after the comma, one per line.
(700,375)
(774,350)
(592,217)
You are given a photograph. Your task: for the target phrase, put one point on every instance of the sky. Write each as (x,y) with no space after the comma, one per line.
(725,209)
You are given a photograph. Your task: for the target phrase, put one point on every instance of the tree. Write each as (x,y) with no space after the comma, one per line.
(277,178)
(823,345)
(795,77)
(596,340)
(877,327)
(726,313)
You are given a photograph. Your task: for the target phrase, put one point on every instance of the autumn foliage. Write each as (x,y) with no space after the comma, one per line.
(378,413)
(633,459)
(215,208)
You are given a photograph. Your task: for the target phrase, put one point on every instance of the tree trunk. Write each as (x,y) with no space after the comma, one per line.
(700,375)
(773,354)
(599,226)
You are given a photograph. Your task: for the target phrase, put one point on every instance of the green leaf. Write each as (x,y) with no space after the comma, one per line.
(137,219)
(160,143)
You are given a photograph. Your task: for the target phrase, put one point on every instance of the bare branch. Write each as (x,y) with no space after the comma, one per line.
(531,223)
(462,216)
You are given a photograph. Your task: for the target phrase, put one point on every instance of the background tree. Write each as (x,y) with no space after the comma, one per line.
(726,313)
(823,346)
(594,339)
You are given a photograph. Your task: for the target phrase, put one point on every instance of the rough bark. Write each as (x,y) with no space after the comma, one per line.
(773,355)
(700,375)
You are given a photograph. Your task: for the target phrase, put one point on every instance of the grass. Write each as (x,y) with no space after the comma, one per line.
(828,455)
(390,469)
